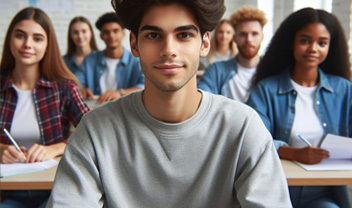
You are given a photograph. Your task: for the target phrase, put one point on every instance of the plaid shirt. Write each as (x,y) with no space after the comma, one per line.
(57,103)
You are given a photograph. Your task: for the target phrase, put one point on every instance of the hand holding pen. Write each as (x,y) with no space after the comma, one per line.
(310,154)
(12,153)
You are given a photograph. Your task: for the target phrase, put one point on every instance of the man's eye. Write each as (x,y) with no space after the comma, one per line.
(152,36)
(184,35)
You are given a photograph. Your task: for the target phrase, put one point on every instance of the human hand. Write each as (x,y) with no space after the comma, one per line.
(109,95)
(39,153)
(9,154)
(310,155)
(87,94)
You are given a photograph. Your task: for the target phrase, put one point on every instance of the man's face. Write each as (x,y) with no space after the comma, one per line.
(248,37)
(112,34)
(169,45)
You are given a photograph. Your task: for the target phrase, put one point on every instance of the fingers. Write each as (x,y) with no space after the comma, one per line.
(37,153)
(312,155)
(12,155)
(90,94)
(87,94)
(109,95)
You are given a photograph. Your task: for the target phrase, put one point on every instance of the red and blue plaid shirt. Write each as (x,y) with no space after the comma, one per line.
(57,104)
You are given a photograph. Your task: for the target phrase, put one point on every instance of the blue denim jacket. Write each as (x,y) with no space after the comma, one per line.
(128,71)
(71,62)
(217,76)
(274,99)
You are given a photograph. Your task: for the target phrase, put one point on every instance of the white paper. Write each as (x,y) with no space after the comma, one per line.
(21,168)
(339,147)
(329,164)
(340,150)
(92,103)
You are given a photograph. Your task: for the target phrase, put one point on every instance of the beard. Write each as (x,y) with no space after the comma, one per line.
(248,54)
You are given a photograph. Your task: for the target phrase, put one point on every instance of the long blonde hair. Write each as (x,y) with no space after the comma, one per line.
(52,66)
(214,43)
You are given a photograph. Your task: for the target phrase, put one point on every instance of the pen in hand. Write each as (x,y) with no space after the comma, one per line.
(304,140)
(14,143)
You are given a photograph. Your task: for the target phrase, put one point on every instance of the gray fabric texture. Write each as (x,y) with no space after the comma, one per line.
(120,156)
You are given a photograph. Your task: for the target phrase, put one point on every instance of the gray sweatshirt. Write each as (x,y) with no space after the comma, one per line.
(120,156)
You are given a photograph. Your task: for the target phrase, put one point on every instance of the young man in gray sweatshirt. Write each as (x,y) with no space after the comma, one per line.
(170,145)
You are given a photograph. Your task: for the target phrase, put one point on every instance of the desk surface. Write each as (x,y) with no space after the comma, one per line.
(296,176)
(30,181)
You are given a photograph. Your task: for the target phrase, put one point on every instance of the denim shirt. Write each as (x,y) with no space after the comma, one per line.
(71,62)
(274,100)
(217,76)
(128,71)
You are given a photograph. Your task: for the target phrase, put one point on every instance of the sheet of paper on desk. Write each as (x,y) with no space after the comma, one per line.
(340,150)
(329,164)
(21,168)
(339,147)
(93,102)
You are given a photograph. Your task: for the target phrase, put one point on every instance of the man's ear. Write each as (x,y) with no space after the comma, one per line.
(205,44)
(133,44)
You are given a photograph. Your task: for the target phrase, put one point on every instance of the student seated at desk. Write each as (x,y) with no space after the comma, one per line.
(302,87)
(113,72)
(39,98)
(170,145)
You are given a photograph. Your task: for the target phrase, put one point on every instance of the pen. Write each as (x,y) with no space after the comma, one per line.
(13,141)
(304,140)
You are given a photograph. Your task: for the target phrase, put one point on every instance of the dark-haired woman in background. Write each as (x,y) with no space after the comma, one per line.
(39,98)
(302,86)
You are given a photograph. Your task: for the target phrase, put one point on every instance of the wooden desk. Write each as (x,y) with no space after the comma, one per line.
(298,176)
(30,181)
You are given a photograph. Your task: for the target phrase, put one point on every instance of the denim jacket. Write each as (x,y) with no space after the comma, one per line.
(274,99)
(71,62)
(128,71)
(217,76)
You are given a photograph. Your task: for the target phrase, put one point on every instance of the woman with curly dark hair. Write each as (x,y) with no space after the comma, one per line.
(302,87)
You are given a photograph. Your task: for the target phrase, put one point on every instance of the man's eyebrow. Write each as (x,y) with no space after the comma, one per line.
(178,29)
(149,27)
(186,27)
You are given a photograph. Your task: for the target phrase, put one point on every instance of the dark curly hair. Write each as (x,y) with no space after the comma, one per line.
(106,18)
(206,12)
(279,54)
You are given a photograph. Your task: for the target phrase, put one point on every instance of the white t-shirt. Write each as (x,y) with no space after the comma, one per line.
(240,83)
(25,126)
(108,80)
(306,121)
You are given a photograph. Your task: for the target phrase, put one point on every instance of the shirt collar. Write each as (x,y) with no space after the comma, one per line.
(43,82)
(285,85)
(123,59)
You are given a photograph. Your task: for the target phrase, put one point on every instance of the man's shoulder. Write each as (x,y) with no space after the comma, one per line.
(223,104)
